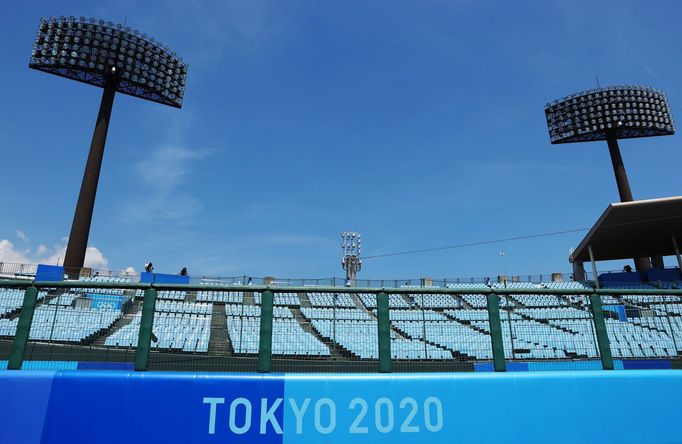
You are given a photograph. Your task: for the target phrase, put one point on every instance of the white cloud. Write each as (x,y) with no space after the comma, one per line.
(9,254)
(162,176)
(94,258)
(21,235)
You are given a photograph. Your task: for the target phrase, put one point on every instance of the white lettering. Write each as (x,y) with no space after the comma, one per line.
(299,412)
(211,416)
(268,415)
(247,416)
(430,426)
(406,427)
(355,426)
(332,416)
(383,428)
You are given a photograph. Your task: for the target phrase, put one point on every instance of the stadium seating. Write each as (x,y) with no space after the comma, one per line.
(423,327)
(11,299)
(243,325)
(165,294)
(282,299)
(394,301)
(331,300)
(98,279)
(61,323)
(175,330)
(232,297)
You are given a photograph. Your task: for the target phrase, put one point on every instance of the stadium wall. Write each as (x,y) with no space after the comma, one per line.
(558,407)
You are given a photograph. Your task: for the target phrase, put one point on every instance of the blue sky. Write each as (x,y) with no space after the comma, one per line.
(418,124)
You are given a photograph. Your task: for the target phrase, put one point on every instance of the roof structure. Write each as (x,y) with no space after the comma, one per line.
(640,228)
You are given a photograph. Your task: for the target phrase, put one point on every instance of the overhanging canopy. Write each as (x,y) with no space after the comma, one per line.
(626,230)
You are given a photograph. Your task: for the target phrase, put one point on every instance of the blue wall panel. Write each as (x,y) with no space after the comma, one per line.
(126,366)
(528,407)
(647,364)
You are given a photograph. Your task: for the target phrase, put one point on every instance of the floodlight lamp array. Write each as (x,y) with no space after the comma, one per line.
(622,111)
(350,243)
(98,52)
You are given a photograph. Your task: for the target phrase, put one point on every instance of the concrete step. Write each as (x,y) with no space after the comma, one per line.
(219,343)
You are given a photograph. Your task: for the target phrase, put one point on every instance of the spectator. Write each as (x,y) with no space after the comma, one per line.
(627,268)
(183,272)
(149,267)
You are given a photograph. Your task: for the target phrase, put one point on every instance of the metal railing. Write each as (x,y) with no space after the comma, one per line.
(295,328)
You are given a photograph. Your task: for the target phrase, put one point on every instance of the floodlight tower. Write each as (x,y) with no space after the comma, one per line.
(117,59)
(350,243)
(611,113)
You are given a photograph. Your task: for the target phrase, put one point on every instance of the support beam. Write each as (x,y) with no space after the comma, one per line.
(657,262)
(496,332)
(16,355)
(144,338)
(677,254)
(594,266)
(384,333)
(82,218)
(578,271)
(265,343)
(602,334)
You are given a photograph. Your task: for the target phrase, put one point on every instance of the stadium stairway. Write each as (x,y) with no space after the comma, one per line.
(465,323)
(544,322)
(306,325)
(360,306)
(14,314)
(248,298)
(129,314)
(465,304)
(191,297)
(455,353)
(219,343)
(517,302)
(305,302)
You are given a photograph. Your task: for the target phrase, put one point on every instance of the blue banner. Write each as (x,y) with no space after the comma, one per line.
(49,273)
(107,301)
(160,278)
(529,407)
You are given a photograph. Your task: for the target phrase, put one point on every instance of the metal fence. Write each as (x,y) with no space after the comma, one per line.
(256,328)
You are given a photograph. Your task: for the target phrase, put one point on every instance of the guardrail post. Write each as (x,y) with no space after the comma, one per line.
(265,345)
(384,333)
(16,355)
(496,332)
(146,324)
(602,334)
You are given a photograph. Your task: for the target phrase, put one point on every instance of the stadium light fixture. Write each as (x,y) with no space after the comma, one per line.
(612,113)
(350,243)
(117,59)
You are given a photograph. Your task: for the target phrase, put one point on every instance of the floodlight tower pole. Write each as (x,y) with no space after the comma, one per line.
(619,169)
(641,263)
(82,218)
(116,59)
